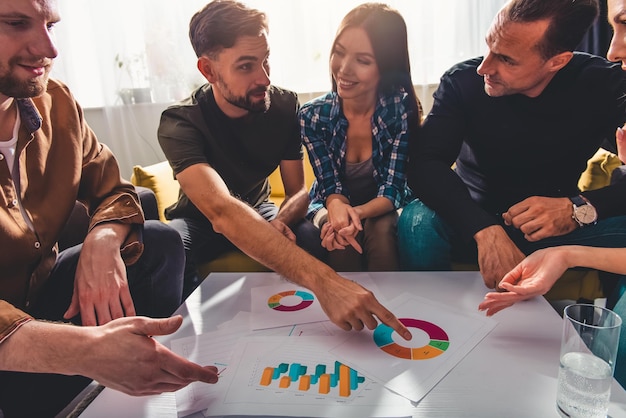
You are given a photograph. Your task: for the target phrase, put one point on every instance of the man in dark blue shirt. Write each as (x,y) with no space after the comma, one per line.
(520,123)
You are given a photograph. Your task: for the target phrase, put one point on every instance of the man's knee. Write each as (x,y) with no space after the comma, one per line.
(163,264)
(162,236)
(417,218)
(308,238)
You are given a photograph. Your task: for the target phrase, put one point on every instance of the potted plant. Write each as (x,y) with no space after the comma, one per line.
(134,74)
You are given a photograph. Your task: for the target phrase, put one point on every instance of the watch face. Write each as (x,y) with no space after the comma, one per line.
(586,214)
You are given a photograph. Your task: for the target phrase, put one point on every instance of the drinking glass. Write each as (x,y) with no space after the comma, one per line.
(588,350)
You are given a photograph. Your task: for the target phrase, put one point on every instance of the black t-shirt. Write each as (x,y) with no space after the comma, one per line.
(512,147)
(244,151)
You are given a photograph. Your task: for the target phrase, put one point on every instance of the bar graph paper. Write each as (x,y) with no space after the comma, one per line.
(285,375)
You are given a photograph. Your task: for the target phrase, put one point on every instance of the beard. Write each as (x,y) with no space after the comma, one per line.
(12,86)
(246,102)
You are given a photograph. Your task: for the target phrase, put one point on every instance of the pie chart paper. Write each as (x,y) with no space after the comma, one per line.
(442,336)
(284,304)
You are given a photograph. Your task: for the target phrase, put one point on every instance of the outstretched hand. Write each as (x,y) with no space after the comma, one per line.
(128,359)
(534,276)
(352,307)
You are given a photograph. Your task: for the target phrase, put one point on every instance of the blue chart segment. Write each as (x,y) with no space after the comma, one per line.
(343,377)
(274,301)
(439,341)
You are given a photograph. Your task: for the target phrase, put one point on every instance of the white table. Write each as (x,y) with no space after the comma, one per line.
(512,372)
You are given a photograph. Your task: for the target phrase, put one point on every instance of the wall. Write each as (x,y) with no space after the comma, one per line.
(131,130)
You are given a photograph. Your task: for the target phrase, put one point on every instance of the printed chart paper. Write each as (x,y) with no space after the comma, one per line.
(216,348)
(210,349)
(441,338)
(284,304)
(281,376)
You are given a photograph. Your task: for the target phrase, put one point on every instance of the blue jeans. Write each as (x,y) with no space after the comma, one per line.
(202,244)
(156,283)
(427,242)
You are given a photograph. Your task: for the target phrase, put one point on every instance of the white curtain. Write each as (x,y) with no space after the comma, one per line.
(107,48)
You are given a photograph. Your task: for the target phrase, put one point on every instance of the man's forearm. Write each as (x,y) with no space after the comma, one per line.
(52,348)
(258,239)
(114,233)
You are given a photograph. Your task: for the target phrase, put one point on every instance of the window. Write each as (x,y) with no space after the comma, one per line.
(107,48)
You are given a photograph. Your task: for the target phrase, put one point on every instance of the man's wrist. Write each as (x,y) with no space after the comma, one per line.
(583,212)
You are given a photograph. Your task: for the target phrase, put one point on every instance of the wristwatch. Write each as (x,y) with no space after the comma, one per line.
(584,213)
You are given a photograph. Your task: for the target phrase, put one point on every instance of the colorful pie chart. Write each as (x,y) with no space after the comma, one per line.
(439,341)
(274,301)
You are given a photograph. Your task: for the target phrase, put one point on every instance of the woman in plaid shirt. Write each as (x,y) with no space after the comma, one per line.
(357,139)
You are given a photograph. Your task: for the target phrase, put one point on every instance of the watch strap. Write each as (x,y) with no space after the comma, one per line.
(578,201)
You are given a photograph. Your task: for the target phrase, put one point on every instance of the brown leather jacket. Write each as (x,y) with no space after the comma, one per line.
(61,161)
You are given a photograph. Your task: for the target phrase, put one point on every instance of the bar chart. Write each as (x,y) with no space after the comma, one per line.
(294,375)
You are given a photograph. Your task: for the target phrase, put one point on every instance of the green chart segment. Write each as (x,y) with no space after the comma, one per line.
(439,341)
(306,301)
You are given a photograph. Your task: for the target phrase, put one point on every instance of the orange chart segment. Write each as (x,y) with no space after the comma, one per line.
(397,351)
(425,352)
(438,344)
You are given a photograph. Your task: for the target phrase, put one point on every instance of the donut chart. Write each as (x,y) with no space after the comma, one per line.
(439,341)
(274,301)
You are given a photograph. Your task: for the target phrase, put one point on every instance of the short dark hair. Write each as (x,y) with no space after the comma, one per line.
(220,23)
(569,21)
(386,30)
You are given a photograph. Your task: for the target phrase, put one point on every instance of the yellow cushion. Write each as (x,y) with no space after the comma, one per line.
(160,179)
(576,284)
(232,261)
(276,182)
(599,169)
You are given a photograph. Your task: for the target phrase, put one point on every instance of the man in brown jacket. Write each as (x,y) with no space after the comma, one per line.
(49,158)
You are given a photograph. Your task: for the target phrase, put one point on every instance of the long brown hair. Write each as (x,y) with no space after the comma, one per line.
(386,30)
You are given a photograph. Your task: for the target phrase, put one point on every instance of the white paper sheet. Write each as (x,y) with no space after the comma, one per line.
(210,349)
(284,304)
(441,338)
(260,366)
(216,348)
